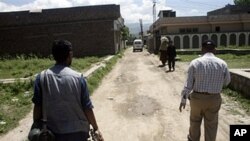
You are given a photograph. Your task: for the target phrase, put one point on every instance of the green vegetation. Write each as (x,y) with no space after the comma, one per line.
(15,103)
(233,47)
(236,96)
(242,2)
(125,33)
(81,64)
(95,79)
(233,61)
(22,66)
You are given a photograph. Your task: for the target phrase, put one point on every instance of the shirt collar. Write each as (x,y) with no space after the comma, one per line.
(208,54)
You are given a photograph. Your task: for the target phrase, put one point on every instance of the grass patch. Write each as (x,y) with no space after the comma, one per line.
(15,98)
(23,67)
(236,96)
(233,61)
(15,103)
(95,79)
(233,47)
(221,48)
(81,64)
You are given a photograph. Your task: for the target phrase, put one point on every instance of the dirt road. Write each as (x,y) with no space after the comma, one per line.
(138,101)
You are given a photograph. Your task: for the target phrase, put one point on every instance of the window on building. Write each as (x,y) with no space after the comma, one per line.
(182,30)
(217,29)
(195,30)
(189,30)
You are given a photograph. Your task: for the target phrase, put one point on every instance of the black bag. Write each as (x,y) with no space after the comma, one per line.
(37,134)
(39,130)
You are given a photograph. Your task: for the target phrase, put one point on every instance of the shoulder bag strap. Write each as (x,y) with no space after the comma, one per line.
(43,82)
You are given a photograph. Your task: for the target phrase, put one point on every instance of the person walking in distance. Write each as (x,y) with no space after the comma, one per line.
(163,51)
(68,105)
(206,77)
(171,53)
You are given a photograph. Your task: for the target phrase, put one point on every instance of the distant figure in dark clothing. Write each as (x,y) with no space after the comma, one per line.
(163,51)
(171,53)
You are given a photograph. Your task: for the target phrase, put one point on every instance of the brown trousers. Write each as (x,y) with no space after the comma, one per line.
(205,107)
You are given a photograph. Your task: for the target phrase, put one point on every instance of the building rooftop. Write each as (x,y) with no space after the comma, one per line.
(231,9)
(98,12)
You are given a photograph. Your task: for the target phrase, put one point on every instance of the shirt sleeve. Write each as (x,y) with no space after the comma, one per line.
(227,77)
(188,87)
(86,101)
(37,97)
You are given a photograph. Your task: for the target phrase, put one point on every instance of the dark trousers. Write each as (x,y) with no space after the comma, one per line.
(163,57)
(171,63)
(79,136)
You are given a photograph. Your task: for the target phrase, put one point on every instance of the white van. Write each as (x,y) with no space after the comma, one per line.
(137,45)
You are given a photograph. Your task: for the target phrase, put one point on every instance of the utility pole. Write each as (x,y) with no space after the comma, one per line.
(154,10)
(154,19)
(141,25)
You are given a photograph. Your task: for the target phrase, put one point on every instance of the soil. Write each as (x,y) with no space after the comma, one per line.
(139,101)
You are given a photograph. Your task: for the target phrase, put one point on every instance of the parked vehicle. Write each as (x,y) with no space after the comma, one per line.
(137,45)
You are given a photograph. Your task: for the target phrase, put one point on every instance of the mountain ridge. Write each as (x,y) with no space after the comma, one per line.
(135,29)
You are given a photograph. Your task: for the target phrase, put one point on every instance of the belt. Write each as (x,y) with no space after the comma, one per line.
(205,93)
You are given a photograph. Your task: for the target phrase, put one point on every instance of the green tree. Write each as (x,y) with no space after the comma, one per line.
(125,33)
(242,2)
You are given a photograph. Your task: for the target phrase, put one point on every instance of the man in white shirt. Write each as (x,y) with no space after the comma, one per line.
(206,77)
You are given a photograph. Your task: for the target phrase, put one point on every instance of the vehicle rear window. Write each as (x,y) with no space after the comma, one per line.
(137,43)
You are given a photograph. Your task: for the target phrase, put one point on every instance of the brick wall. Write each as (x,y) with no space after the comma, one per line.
(89,35)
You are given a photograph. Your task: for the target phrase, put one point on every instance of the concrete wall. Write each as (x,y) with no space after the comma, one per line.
(204,28)
(228,27)
(246,26)
(176,29)
(240,81)
(194,40)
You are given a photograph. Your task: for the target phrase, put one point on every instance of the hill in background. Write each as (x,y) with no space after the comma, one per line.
(135,29)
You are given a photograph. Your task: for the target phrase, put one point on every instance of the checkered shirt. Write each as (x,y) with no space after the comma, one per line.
(206,74)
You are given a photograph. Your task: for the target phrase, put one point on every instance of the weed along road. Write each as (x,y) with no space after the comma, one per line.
(138,101)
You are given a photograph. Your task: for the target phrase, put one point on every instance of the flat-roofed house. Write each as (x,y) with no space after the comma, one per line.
(226,26)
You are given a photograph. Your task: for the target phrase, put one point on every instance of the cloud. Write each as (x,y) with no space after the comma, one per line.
(7,7)
(131,10)
(37,4)
(194,11)
(191,12)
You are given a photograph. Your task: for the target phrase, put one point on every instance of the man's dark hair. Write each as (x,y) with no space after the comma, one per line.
(61,49)
(209,45)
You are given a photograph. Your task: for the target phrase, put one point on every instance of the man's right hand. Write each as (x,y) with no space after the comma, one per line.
(182,106)
(99,136)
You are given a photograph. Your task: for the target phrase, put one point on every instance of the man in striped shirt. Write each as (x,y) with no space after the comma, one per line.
(206,77)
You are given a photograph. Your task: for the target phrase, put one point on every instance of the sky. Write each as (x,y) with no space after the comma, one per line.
(131,10)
